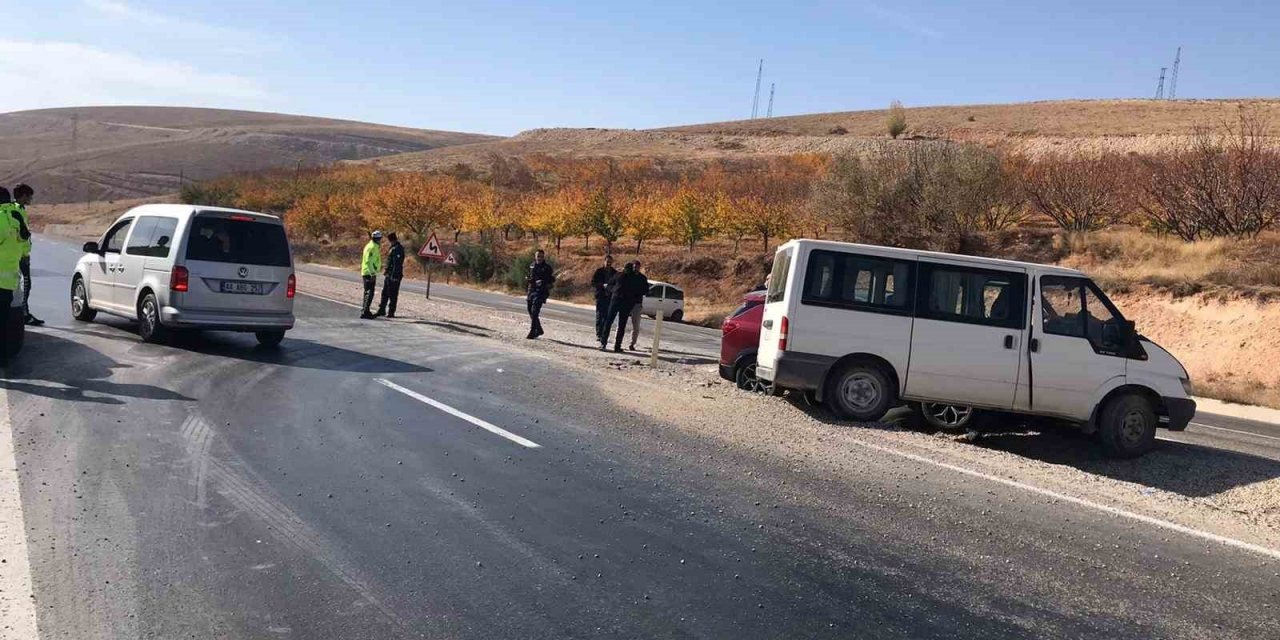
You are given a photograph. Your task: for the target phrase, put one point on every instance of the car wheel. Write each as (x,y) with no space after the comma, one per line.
(746,379)
(859,391)
(677,315)
(269,338)
(149,325)
(1127,426)
(80,309)
(946,417)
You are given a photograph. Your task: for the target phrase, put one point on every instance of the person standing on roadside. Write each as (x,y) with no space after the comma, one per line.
(623,289)
(370,265)
(392,274)
(13,234)
(22,195)
(637,305)
(539,282)
(600,282)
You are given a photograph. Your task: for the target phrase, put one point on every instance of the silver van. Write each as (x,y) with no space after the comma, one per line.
(174,267)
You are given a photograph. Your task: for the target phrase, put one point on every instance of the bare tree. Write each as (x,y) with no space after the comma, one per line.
(1078,194)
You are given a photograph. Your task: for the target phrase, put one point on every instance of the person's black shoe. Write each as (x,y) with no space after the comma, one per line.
(391,315)
(632,348)
(531,336)
(34,321)
(379,313)
(539,332)
(617,349)
(367,316)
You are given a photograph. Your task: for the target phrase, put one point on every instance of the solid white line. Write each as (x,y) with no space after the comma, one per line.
(524,442)
(1243,433)
(1165,524)
(17,608)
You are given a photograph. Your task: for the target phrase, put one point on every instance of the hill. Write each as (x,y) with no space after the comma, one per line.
(131,152)
(1072,126)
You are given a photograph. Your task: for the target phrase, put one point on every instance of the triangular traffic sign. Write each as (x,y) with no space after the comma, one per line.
(450,259)
(431,249)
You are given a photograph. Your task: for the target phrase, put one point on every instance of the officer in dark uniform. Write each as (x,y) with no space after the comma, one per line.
(600,282)
(392,274)
(539,282)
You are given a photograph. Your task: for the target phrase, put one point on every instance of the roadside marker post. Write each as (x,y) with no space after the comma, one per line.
(657,337)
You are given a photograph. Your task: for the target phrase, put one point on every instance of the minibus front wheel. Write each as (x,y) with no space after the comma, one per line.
(1127,426)
(860,391)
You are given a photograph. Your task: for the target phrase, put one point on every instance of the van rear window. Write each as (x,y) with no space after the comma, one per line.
(215,239)
(778,277)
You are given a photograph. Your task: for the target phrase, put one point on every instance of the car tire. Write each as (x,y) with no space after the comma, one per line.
(947,417)
(859,391)
(150,327)
(269,338)
(1127,426)
(80,309)
(745,378)
(677,315)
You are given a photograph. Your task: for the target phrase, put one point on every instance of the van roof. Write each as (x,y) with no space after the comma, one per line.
(673,286)
(976,260)
(183,210)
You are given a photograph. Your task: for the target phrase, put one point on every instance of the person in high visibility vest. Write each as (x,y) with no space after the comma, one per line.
(370,266)
(22,195)
(14,234)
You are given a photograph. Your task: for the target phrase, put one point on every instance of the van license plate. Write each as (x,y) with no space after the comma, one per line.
(251,288)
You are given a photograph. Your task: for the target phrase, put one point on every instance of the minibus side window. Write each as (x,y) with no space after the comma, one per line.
(973,296)
(853,281)
(1062,306)
(778,277)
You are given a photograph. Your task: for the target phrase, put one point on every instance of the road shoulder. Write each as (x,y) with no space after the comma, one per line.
(17,601)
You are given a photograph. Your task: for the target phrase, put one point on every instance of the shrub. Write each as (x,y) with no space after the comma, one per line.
(210,194)
(896,122)
(475,262)
(837,131)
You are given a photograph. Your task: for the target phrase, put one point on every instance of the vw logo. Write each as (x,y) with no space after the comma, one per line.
(244,272)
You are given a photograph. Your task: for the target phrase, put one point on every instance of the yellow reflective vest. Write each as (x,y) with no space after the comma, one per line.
(11,248)
(371,263)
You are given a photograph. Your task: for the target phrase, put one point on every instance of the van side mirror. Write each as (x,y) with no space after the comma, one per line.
(91,247)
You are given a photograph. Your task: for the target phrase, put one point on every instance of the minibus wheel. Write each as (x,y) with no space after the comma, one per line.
(1127,426)
(946,417)
(859,391)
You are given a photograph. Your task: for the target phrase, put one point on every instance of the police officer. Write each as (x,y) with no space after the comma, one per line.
(22,195)
(600,282)
(539,282)
(370,265)
(391,277)
(14,234)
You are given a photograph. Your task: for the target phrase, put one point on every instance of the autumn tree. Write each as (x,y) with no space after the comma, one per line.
(558,214)
(417,203)
(648,215)
(690,218)
(605,217)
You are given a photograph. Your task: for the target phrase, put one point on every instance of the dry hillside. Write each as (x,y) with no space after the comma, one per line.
(131,152)
(1073,126)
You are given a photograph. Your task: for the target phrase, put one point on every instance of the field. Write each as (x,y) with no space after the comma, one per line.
(112,153)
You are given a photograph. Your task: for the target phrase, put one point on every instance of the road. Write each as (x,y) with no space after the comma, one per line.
(347,486)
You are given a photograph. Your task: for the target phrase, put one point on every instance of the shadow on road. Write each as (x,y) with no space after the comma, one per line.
(457,327)
(54,367)
(676,357)
(1185,469)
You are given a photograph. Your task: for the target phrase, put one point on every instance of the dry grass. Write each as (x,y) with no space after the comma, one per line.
(1238,389)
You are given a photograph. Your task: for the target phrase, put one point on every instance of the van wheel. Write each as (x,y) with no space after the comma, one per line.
(269,338)
(80,309)
(860,392)
(1127,426)
(149,325)
(677,315)
(946,417)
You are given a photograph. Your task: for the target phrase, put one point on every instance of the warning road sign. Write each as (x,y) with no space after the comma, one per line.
(431,249)
(450,259)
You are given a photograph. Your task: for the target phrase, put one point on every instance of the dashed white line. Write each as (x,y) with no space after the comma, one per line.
(1164,524)
(487,426)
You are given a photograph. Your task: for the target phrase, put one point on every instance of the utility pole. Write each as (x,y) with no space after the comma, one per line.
(769,112)
(1173,78)
(755,102)
(1160,87)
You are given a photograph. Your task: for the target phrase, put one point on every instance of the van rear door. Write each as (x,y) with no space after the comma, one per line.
(775,310)
(968,334)
(237,262)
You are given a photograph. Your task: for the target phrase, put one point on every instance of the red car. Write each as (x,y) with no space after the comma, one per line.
(739,339)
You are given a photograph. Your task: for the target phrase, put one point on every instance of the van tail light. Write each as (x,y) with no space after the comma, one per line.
(782,334)
(178,279)
(291,287)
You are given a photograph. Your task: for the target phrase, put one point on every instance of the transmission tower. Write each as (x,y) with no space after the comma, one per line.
(755,102)
(1160,86)
(1173,77)
(769,113)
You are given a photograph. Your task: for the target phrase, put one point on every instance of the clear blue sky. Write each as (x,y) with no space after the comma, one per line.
(500,67)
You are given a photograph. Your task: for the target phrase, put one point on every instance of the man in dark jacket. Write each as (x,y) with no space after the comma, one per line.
(600,282)
(539,282)
(392,274)
(628,289)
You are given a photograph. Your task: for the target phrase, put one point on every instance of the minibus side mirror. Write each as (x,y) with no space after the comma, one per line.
(91,247)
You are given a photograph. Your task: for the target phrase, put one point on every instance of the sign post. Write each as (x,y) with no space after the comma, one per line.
(657,337)
(431,252)
(453,265)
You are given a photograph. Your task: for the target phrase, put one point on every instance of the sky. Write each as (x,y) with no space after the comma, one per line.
(503,67)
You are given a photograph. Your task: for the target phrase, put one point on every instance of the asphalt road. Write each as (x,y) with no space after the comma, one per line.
(346,486)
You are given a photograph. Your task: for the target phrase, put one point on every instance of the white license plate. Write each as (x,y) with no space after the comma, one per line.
(251,288)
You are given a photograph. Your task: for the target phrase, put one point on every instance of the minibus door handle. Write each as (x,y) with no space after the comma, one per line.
(768,324)
(1008,342)
(1035,345)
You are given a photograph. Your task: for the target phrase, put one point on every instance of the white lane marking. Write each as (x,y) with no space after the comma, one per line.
(524,442)
(1164,524)
(1239,431)
(17,607)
